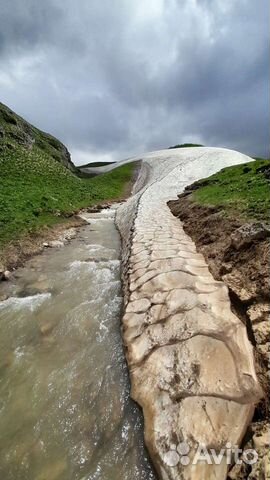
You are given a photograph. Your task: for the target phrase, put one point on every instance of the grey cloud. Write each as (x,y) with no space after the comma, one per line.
(119,77)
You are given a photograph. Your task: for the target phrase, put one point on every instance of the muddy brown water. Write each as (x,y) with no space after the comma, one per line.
(65,410)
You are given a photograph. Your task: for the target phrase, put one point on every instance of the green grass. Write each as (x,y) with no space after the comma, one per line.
(242,190)
(36,190)
(15,131)
(39,185)
(185,145)
(95,164)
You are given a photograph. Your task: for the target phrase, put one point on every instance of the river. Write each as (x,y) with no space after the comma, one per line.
(65,410)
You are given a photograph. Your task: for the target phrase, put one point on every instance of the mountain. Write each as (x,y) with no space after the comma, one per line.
(16,132)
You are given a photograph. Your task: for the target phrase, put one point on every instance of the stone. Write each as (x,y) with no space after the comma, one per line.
(234,282)
(262,440)
(259,312)
(6,275)
(262,332)
(3,297)
(54,471)
(56,243)
(238,472)
(46,328)
(41,286)
(248,233)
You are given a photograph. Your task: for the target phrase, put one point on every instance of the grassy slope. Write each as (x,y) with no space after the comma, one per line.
(36,188)
(15,131)
(95,164)
(241,190)
(36,191)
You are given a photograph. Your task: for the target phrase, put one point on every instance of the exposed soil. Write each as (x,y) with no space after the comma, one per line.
(17,252)
(244,268)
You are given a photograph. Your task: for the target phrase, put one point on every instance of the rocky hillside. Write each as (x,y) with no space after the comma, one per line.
(16,132)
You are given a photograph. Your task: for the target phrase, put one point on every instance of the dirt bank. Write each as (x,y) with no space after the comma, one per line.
(238,254)
(17,252)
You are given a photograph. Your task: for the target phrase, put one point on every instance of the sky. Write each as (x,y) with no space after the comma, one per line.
(116,78)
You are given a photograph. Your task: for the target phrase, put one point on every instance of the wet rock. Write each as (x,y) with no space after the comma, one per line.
(56,243)
(41,286)
(7,360)
(68,235)
(3,297)
(55,471)
(46,328)
(249,233)
(6,275)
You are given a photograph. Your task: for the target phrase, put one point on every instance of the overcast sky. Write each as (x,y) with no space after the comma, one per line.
(113,78)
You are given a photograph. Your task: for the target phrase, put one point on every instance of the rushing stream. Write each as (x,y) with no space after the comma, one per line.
(65,411)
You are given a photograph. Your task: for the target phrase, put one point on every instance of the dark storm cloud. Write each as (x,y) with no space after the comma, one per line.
(26,24)
(116,77)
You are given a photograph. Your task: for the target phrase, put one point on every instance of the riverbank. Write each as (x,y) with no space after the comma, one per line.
(227,220)
(19,244)
(66,413)
(42,191)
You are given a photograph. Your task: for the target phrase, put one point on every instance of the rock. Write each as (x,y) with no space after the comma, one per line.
(3,297)
(260,469)
(56,243)
(54,471)
(262,332)
(266,466)
(6,275)
(46,328)
(235,282)
(68,235)
(225,268)
(7,361)
(41,286)
(2,272)
(248,233)
(261,440)
(264,349)
(238,472)
(259,312)
(46,244)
